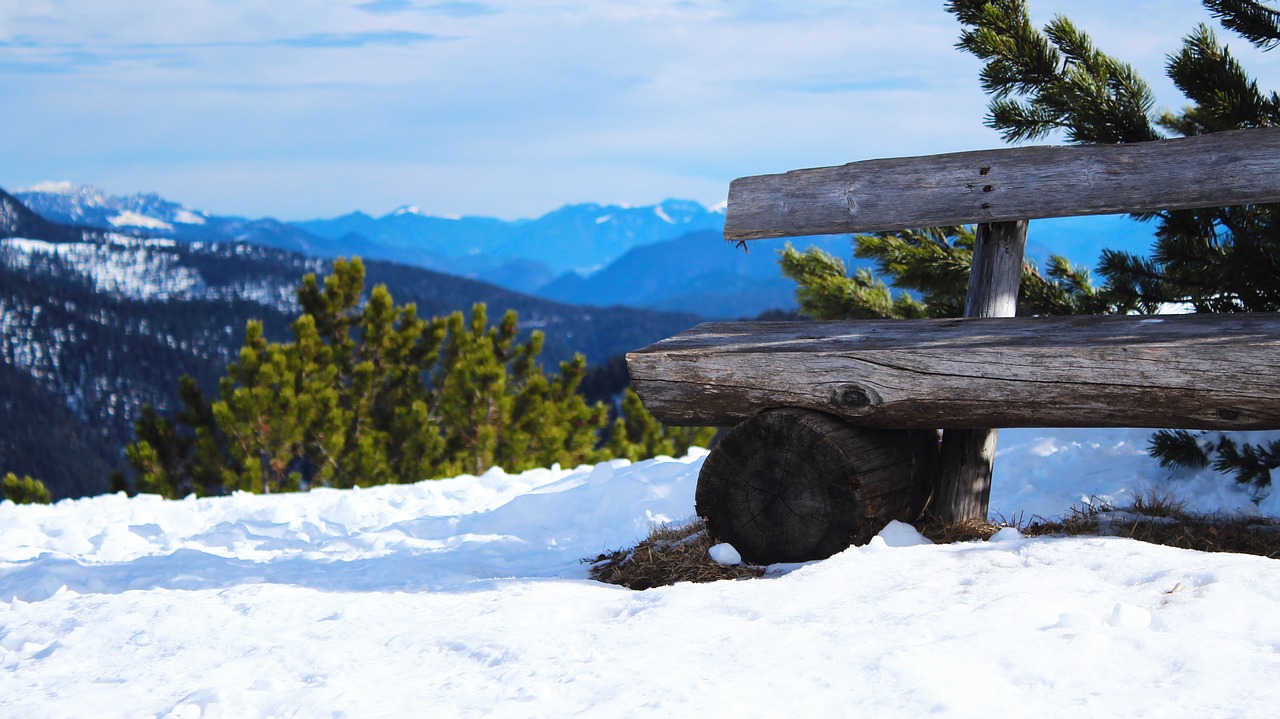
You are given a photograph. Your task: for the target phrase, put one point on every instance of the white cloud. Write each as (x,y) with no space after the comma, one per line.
(302,108)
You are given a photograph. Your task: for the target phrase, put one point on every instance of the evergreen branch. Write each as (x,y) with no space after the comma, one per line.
(1226,97)
(1253,20)
(1055,79)
(1178,448)
(1247,463)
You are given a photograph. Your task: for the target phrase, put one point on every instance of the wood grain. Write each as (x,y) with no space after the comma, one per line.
(1190,371)
(1225,168)
(963,488)
(793,485)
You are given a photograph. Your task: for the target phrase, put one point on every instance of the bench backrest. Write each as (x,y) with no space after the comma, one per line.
(682,378)
(1226,168)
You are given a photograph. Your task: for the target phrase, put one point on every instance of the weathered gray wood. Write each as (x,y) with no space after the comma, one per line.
(793,485)
(1192,371)
(965,463)
(963,486)
(996,272)
(1226,168)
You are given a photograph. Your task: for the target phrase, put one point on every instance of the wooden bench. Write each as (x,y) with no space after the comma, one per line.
(836,421)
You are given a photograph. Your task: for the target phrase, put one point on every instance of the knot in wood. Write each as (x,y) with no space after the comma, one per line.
(853,397)
(1229,414)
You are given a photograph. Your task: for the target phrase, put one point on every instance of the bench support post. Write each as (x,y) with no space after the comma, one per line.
(963,488)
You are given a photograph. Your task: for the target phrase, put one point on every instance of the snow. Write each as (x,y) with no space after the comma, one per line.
(133,267)
(129,218)
(63,187)
(187,217)
(146,269)
(467,597)
(725,554)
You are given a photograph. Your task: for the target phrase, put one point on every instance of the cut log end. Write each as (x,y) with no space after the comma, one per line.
(793,485)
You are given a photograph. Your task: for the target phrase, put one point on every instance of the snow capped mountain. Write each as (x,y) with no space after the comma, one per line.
(129,218)
(518,254)
(575,237)
(548,256)
(157,217)
(89,205)
(54,188)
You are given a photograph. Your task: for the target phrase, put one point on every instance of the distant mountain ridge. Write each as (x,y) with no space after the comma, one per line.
(85,205)
(578,254)
(518,254)
(696,270)
(575,237)
(666,256)
(521,254)
(18,220)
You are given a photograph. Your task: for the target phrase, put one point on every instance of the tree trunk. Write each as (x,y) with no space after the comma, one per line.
(794,485)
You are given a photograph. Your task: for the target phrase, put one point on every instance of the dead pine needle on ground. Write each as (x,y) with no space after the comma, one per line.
(681,552)
(671,553)
(1163,519)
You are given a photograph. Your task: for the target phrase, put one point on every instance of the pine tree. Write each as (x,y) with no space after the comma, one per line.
(551,421)
(1254,21)
(23,490)
(933,264)
(1214,260)
(473,404)
(637,435)
(255,411)
(1245,462)
(1055,80)
(380,382)
(159,473)
(368,393)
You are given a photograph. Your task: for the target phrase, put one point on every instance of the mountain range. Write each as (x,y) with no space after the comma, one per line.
(697,270)
(670,253)
(95,323)
(522,255)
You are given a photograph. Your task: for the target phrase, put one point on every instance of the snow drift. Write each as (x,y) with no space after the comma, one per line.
(467,597)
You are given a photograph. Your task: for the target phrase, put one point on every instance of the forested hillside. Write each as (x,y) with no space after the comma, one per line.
(94,324)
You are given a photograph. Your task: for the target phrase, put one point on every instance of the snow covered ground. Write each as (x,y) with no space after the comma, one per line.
(466,597)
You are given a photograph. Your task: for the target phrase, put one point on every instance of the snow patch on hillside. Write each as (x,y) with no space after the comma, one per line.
(187,217)
(127,266)
(147,269)
(128,218)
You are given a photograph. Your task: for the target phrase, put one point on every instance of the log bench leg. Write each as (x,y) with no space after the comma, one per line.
(963,490)
(968,455)
(793,485)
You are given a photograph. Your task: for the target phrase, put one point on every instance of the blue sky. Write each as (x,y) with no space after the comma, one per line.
(312,108)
